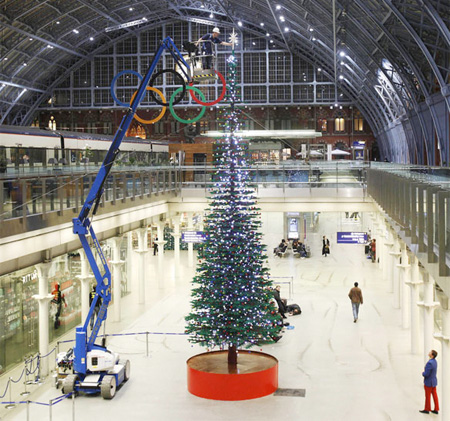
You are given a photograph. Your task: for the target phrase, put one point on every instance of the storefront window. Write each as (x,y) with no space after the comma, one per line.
(64,274)
(19,334)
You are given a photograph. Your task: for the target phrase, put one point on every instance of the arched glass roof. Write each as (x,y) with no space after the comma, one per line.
(386,56)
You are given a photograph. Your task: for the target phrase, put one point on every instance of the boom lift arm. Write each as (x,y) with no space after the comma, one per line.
(82,225)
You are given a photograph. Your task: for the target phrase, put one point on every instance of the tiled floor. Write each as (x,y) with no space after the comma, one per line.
(351,371)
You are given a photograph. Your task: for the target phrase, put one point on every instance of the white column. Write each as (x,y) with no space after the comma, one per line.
(160,242)
(85,278)
(395,253)
(444,338)
(428,306)
(176,237)
(142,252)
(415,311)
(380,241)
(405,276)
(190,227)
(116,264)
(129,257)
(43,299)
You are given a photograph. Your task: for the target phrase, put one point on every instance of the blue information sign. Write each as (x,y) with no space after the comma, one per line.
(352,237)
(193,236)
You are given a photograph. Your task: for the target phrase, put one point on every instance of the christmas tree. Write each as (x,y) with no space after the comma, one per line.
(231,305)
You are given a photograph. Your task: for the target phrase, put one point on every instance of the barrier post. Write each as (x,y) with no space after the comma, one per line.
(25,392)
(50,403)
(38,375)
(11,404)
(146,344)
(28,410)
(73,406)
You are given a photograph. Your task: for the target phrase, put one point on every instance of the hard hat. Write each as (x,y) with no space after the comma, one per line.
(216,29)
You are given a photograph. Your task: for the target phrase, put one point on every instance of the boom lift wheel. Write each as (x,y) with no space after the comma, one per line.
(108,387)
(69,383)
(126,374)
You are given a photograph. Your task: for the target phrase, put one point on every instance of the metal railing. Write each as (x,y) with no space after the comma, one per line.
(39,199)
(418,201)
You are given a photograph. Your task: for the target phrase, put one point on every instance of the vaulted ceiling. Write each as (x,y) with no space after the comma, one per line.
(388,56)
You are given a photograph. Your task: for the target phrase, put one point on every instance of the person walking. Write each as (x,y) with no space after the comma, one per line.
(430,383)
(356,298)
(325,246)
(373,250)
(155,246)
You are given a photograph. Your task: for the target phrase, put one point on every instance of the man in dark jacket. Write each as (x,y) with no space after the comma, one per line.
(356,298)
(430,383)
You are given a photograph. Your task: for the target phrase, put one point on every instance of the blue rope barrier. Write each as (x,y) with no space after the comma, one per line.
(57,400)
(46,355)
(18,380)
(6,390)
(34,371)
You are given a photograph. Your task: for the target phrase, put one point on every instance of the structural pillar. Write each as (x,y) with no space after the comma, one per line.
(85,279)
(43,298)
(444,338)
(190,227)
(413,284)
(405,276)
(176,237)
(428,306)
(160,242)
(142,252)
(395,254)
(116,264)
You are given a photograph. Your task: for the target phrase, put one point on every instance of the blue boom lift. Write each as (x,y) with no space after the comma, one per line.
(95,368)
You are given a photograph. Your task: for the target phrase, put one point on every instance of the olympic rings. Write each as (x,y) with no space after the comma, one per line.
(173,100)
(176,75)
(195,118)
(209,104)
(114,81)
(161,114)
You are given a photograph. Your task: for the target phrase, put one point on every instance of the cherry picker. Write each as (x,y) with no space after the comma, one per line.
(95,368)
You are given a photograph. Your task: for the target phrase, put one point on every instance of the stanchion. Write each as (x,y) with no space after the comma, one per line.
(146,344)
(28,410)
(73,406)
(38,375)
(50,403)
(11,405)
(25,392)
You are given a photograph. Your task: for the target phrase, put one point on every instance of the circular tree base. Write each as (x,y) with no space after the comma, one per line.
(209,376)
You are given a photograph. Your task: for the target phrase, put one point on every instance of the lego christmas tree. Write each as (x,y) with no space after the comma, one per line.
(231,305)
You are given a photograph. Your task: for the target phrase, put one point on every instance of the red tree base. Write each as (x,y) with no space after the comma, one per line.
(210,376)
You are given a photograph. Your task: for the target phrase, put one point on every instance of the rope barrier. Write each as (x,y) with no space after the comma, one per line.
(54,401)
(18,380)
(6,390)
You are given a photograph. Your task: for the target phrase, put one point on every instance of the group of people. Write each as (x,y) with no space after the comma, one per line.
(300,248)
(282,247)
(283,307)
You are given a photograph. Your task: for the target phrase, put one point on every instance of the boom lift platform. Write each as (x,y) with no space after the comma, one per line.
(95,368)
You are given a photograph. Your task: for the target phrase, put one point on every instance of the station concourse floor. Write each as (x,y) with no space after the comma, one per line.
(350,371)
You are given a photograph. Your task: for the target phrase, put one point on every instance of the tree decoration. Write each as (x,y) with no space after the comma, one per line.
(231,305)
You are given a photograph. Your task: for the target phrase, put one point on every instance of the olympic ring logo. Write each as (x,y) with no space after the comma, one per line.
(174,99)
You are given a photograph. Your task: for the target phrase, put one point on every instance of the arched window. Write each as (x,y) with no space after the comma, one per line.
(339,124)
(358,124)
